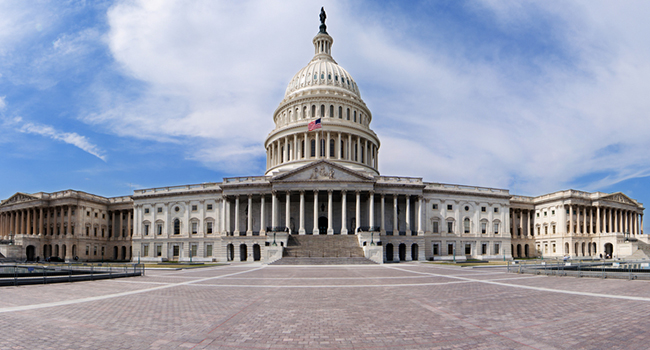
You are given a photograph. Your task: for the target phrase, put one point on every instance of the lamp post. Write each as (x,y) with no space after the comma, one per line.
(274,244)
(372,240)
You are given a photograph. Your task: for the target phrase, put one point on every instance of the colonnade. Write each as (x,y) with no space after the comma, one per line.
(601,219)
(329,145)
(518,226)
(367,222)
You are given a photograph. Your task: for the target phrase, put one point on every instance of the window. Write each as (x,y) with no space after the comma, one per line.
(436,249)
(435,207)
(545,230)
(553,246)
(538,230)
(87,231)
(95,250)
(95,214)
(313,148)
(331,111)
(496,228)
(348,114)
(177,209)
(484,248)
(322,147)
(496,248)
(193,250)
(545,213)
(468,249)
(102,232)
(553,228)
(355,116)
(537,214)
(484,228)
(177,227)
(435,227)
(209,206)
(209,227)
(483,209)
(87,213)
(552,212)
(87,250)
(466,225)
(146,229)
(208,250)
(195,207)
(340,110)
(496,210)
(95,231)
(195,226)
(146,210)
(450,249)
(159,209)
(450,226)
(103,216)
(145,250)
(450,207)
(158,250)
(313,109)
(159,229)
(331,148)
(72,212)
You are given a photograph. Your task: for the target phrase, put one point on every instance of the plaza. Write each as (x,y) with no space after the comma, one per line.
(390,306)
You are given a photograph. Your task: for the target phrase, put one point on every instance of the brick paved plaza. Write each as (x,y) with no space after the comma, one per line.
(396,306)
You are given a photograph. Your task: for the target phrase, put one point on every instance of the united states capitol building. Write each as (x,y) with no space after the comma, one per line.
(321,196)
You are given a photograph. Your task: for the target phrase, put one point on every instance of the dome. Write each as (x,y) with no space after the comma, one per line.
(322,71)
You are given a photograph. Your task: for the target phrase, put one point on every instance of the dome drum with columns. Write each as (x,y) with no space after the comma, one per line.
(324,90)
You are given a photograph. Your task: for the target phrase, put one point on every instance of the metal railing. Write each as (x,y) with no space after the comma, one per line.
(22,274)
(633,269)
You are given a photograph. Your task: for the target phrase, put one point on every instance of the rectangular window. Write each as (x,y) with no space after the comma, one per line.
(538,230)
(436,249)
(496,210)
(95,231)
(209,227)
(468,249)
(553,228)
(450,207)
(552,212)
(435,227)
(545,213)
(466,225)
(553,247)
(450,226)
(159,209)
(195,226)
(159,229)
(87,250)
(450,249)
(95,214)
(496,248)
(95,250)
(208,250)
(484,248)
(145,250)
(496,228)
(146,230)
(158,250)
(193,249)
(545,230)
(537,214)
(87,213)
(483,209)
(146,210)
(484,227)
(176,251)
(209,206)
(195,207)
(103,216)
(87,231)
(435,207)
(102,232)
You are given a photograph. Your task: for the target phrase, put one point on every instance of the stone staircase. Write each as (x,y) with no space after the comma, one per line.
(322,250)
(643,252)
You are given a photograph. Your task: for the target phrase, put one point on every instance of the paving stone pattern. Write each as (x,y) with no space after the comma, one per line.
(395,306)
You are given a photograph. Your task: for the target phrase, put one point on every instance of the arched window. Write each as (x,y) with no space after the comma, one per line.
(362,148)
(313,148)
(466,225)
(342,154)
(356,152)
(313,111)
(322,111)
(304,113)
(348,113)
(322,147)
(331,111)
(282,160)
(355,116)
(177,227)
(332,148)
(302,149)
(288,151)
(340,112)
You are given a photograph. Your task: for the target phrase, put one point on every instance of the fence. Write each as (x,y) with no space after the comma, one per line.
(634,269)
(22,274)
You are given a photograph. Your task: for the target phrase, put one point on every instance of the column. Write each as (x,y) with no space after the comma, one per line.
(350,147)
(295,147)
(357,149)
(317,145)
(420,228)
(330,229)
(129,224)
(223,215)
(528,213)
(29,222)
(274,215)
(249,221)
(383,210)
(287,214)
(301,230)
(408,215)
(641,224)
(262,221)
(598,230)
(327,146)
(338,147)
(371,210)
(69,230)
(395,227)
(344,229)
(584,221)
(19,227)
(34,221)
(570,219)
(315,230)
(357,219)
(286,150)
(306,150)
(236,232)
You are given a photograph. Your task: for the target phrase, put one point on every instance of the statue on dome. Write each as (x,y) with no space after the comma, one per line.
(322,16)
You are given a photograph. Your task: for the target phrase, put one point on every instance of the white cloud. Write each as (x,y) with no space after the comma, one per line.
(71,138)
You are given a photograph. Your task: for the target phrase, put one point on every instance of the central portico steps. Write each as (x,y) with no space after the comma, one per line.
(322,250)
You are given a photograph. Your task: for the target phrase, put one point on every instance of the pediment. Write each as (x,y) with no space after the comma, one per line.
(620,198)
(323,170)
(19,198)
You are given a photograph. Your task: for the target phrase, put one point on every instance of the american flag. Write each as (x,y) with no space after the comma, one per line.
(315,125)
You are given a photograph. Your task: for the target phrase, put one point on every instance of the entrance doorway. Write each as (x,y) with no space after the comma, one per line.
(609,250)
(114,253)
(256,252)
(30,252)
(322,225)
(402,252)
(230,252)
(243,252)
(414,251)
(389,252)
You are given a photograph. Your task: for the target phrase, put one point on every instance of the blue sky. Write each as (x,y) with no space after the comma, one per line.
(532,96)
